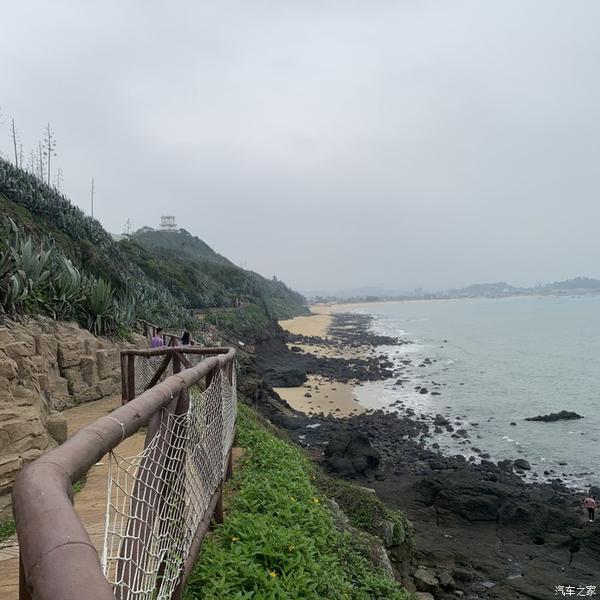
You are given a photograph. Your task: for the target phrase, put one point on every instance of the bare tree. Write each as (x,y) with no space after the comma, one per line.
(58,179)
(31,162)
(14,140)
(49,148)
(40,162)
(21,155)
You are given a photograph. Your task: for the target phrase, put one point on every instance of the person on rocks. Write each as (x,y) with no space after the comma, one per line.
(157,341)
(591,506)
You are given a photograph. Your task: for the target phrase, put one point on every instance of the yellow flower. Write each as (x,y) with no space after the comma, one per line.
(272,574)
(292,499)
(316,500)
(235,539)
(291,547)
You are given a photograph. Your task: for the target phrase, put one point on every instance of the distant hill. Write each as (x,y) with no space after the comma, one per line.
(485,289)
(202,278)
(577,284)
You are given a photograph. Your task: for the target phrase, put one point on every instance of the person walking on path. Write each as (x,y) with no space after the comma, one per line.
(591,506)
(185,339)
(157,341)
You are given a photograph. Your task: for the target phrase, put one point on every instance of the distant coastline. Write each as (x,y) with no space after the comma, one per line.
(578,286)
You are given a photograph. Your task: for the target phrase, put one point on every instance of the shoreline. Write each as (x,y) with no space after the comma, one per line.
(320,394)
(464,511)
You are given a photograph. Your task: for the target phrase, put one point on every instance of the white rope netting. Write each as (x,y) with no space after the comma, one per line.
(157,499)
(146,367)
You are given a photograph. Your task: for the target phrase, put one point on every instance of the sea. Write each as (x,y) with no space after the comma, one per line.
(495,362)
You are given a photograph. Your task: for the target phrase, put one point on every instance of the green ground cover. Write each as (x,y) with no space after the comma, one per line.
(279,539)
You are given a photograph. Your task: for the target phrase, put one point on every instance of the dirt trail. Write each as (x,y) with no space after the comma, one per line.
(90,503)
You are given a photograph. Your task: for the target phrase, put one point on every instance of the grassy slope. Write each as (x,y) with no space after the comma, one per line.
(279,539)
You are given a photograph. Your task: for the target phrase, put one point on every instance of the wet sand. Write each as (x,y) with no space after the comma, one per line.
(326,396)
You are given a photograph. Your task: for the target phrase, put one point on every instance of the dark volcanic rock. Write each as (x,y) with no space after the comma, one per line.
(521,463)
(351,454)
(559,416)
(498,536)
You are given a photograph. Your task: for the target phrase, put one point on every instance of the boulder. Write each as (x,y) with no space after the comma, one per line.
(351,454)
(425,580)
(521,463)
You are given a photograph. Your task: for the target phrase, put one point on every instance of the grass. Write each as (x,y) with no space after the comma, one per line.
(279,540)
(7,530)
(79,485)
(365,510)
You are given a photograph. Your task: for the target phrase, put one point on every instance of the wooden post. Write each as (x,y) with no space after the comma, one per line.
(130,377)
(23,591)
(229,471)
(219,507)
(124,396)
(176,362)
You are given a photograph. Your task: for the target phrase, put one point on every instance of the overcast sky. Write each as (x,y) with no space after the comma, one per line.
(397,143)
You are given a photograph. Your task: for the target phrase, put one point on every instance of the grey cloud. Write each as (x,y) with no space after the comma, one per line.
(334,144)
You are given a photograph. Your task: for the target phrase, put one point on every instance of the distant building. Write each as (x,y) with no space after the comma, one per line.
(167,223)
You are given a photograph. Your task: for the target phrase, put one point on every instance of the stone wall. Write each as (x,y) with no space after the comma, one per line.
(46,367)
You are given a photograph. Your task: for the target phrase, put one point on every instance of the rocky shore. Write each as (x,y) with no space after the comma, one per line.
(482,531)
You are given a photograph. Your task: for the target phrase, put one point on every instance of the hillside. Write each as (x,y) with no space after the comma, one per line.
(58,261)
(201,278)
(500,288)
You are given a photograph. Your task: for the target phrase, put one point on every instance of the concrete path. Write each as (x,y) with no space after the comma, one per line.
(90,503)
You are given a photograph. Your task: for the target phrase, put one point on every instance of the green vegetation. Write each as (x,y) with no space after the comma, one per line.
(7,530)
(279,539)
(248,322)
(37,279)
(56,260)
(79,485)
(365,510)
(201,278)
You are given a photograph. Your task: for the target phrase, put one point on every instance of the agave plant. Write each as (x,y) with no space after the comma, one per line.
(33,262)
(126,309)
(99,307)
(16,291)
(13,283)
(67,287)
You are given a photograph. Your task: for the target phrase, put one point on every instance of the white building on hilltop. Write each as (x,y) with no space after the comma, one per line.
(167,223)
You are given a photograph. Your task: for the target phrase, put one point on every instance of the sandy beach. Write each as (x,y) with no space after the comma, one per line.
(316,324)
(319,394)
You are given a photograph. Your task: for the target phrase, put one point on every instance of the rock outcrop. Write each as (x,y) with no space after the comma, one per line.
(563,415)
(46,367)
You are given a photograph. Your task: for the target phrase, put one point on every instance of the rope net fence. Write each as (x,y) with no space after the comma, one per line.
(157,499)
(147,366)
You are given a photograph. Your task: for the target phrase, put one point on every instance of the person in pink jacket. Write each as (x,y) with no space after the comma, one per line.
(591,506)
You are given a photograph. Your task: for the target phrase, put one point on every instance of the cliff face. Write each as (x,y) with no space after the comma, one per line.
(46,367)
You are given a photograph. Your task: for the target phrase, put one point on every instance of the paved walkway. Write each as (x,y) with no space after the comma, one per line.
(90,503)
